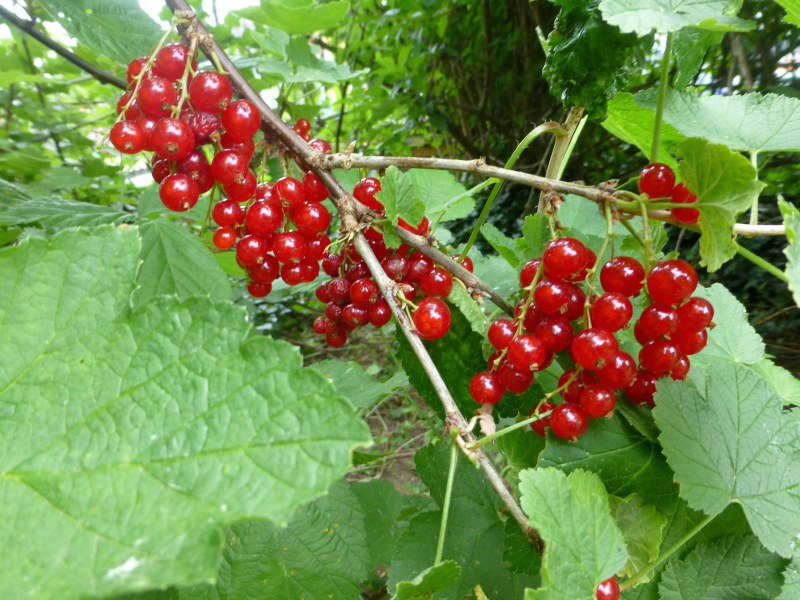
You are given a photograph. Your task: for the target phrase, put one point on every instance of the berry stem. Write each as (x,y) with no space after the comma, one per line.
(591,274)
(448,494)
(663,84)
(557,157)
(509,429)
(754,206)
(184,83)
(634,206)
(646,231)
(665,555)
(757,260)
(528,300)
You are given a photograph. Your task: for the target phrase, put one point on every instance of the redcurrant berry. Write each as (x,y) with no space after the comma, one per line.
(526,352)
(395,266)
(127,137)
(529,272)
(659,356)
(311,218)
(244,147)
(656,180)
(290,192)
(593,348)
(179,192)
(365,191)
(568,421)
(436,282)
(692,343)
(618,372)
(364,291)
(555,331)
(564,257)
(681,195)
(210,91)
(486,388)
(514,381)
(657,320)
(224,238)
(597,401)
(501,332)
(241,119)
(572,392)
(608,590)
(227,213)
(289,247)
(266,271)
(681,370)
(156,97)
(622,274)
(431,319)
(251,250)
(336,340)
(229,167)
(355,314)
(611,311)
(314,190)
(257,289)
(671,281)
(171,61)
(205,126)
(418,265)
(331,264)
(379,314)
(695,315)
(543,423)
(643,387)
(263,218)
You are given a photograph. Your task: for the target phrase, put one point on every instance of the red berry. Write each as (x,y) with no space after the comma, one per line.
(132,113)
(618,372)
(379,249)
(656,180)
(227,213)
(514,381)
(552,295)
(364,291)
(466,263)
(127,137)
(395,266)
(311,269)
(264,192)
(315,191)
(161,169)
(257,289)
(529,272)
(624,275)
(293,273)
(501,332)
(320,145)
(581,275)
(486,388)
(357,271)
(542,424)
(436,282)
(210,91)
(681,370)
(419,264)
(322,293)
(564,257)
(241,120)
(263,218)
(656,321)
(336,340)
(355,314)
(290,191)
(339,291)
(224,238)
(572,393)
(608,590)
(659,356)
(205,126)
(671,281)
(302,126)
(135,67)
(331,264)
(573,309)
(289,247)
(556,333)
(681,195)
(379,314)
(244,147)
(568,420)
(692,343)
(319,325)
(431,318)
(695,315)
(311,218)
(179,192)
(611,311)
(265,272)
(172,139)
(532,317)
(333,311)
(171,61)
(156,97)
(420,229)
(229,167)
(242,191)
(597,401)
(593,348)
(194,164)
(251,250)
(643,387)
(526,352)
(365,191)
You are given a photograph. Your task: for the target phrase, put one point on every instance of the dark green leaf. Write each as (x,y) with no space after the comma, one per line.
(382,504)
(60,213)
(791,584)
(353,383)
(519,555)
(430,582)
(690,48)
(642,526)
(521,448)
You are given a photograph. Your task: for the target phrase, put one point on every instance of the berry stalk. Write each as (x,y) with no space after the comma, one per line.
(448,494)
(663,84)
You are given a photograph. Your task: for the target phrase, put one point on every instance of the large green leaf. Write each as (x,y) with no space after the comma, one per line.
(297,16)
(382,504)
(583,545)
(62,213)
(792,11)
(430,582)
(642,526)
(321,554)
(751,122)
(732,568)
(174,261)
(354,384)
(791,218)
(505,246)
(726,184)
(791,584)
(400,199)
(690,48)
(439,191)
(129,438)
(663,16)
(99,24)
(781,381)
(730,442)
(732,338)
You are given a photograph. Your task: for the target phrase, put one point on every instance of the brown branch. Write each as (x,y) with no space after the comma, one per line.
(29,27)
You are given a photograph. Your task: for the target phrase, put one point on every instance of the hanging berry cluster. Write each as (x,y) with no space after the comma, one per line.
(657,180)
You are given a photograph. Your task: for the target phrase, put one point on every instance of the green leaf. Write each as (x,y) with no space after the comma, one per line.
(518,554)
(642,526)
(382,503)
(781,381)
(521,448)
(751,122)
(430,582)
(634,125)
(353,383)
(792,11)
(321,553)
(496,272)
(791,218)
(99,24)
(791,584)
(690,48)
(644,16)
(175,261)
(460,298)
(308,67)
(731,443)
(583,545)
(150,206)
(733,568)
(272,40)
(297,16)
(130,438)
(726,184)
(505,246)
(439,191)
(60,213)
(534,231)
(399,197)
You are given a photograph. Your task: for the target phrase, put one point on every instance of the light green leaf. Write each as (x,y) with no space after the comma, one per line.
(353,383)
(583,545)
(791,218)
(791,584)
(781,381)
(733,338)
(399,197)
(150,206)
(642,526)
(60,178)
(726,184)
(272,40)
(60,213)
(382,505)
(752,122)
(16,76)
(534,231)
(634,125)
(227,261)
(792,11)
(322,553)
(643,16)
(98,24)
(129,439)
(690,48)
(461,299)
(439,191)
(521,448)
(308,67)
(297,16)
(497,273)
(175,261)
(732,568)
(505,246)
(430,582)
(729,443)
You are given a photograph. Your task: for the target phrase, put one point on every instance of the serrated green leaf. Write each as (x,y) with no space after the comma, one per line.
(297,16)
(129,438)
(271,40)
(730,443)
(663,16)
(390,237)
(791,219)
(781,381)
(732,568)
(61,213)
(460,298)
(308,67)
(382,504)
(751,122)
(583,545)
(430,582)
(642,526)
(521,448)
(150,206)
(690,48)
(399,197)
(439,191)
(792,11)
(496,272)
(175,261)
(518,554)
(353,383)
(791,581)
(98,24)
(633,124)
(227,261)
(534,231)
(640,417)
(505,246)
(726,184)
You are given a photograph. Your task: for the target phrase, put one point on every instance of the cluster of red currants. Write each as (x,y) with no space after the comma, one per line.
(670,329)
(657,180)
(352,297)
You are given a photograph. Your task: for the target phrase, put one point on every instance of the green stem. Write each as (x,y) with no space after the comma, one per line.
(757,260)
(509,429)
(646,231)
(451,475)
(572,142)
(663,84)
(754,206)
(634,206)
(546,127)
(662,558)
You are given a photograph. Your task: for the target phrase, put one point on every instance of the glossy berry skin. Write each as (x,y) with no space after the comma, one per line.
(264,192)
(379,314)
(618,372)
(611,311)
(659,356)
(171,61)
(529,272)
(357,271)
(311,218)
(692,343)
(224,238)
(339,291)
(466,263)
(263,218)
(555,332)
(210,91)
(227,213)
(331,264)
(156,97)
(573,309)
(193,164)
(542,424)
(593,348)
(161,169)
(639,334)
(336,340)
(658,320)
(564,257)
(431,319)
(302,126)
(419,264)
(551,296)
(179,192)
(486,388)
(319,325)
(526,352)
(581,275)
(681,195)
(250,250)
(206,181)
(132,113)
(127,137)
(656,180)
(229,167)
(316,247)
(172,139)
(695,315)
(395,266)
(315,191)
(258,290)
(135,67)
(572,393)
(322,293)
(243,190)
(364,291)
(293,273)
(532,317)
(289,247)
(205,126)
(501,332)
(514,380)
(568,421)
(241,120)
(244,147)
(333,312)
(671,281)
(643,387)
(365,191)
(266,271)
(355,314)
(290,191)
(436,282)
(597,401)
(608,590)
(623,275)
(681,370)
